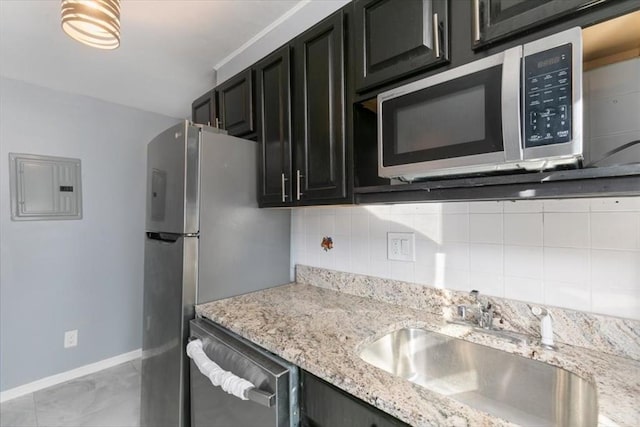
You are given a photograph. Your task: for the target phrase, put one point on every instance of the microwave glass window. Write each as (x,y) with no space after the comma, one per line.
(447,120)
(456,118)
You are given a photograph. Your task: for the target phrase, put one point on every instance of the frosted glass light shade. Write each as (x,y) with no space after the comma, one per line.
(93,22)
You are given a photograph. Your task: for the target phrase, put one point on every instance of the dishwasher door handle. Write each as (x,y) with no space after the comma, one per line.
(263,398)
(229,382)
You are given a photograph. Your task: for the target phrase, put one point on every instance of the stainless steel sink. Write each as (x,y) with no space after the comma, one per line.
(509,386)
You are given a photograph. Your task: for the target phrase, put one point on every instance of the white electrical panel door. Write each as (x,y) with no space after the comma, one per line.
(44,187)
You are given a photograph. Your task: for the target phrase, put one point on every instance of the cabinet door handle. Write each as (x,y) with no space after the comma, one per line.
(284,189)
(436,35)
(476,20)
(298,192)
(217,123)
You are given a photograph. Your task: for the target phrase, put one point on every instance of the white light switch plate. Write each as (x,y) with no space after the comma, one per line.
(401,246)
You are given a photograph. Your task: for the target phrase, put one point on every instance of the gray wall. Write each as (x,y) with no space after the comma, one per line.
(85,274)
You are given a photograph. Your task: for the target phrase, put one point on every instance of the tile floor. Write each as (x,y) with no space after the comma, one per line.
(109,398)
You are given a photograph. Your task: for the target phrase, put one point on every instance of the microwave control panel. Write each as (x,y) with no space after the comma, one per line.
(547,99)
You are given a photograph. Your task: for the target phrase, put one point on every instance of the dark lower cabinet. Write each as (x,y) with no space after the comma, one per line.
(395,38)
(497,19)
(319,110)
(203,109)
(273,123)
(235,104)
(323,405)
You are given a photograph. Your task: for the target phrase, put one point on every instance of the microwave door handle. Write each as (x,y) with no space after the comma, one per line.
(511,121)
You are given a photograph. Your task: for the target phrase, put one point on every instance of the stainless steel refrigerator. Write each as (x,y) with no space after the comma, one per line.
(206,239)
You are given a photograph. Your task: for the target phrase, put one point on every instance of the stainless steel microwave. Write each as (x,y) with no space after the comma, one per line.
(518,109)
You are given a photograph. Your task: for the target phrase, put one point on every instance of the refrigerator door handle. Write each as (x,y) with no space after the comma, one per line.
(163,237)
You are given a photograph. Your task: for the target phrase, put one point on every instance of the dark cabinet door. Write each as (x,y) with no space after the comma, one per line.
(203,109)
(323,405)
(394,38)
(235,104)
(497,19)
(273,123)
(320,168)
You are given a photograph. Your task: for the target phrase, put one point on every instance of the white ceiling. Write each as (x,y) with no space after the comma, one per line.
(165,60)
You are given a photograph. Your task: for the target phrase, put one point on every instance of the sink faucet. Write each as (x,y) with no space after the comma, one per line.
(485,311)
(483,320)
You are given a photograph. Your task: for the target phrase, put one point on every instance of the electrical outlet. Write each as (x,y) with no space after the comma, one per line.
(401,246)
(71,338)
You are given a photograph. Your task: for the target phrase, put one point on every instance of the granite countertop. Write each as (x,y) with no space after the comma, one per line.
(321,330)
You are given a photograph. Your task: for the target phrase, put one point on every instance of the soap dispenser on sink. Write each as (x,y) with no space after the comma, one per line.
(546,327)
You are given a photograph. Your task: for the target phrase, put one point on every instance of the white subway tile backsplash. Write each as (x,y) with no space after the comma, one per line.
(523,229)
(455,255)
(485,228)
(523,206)
(379,227)
(320,225)
(609,204)
(566,205)
(566,265)
(378,249)
(341,252)
(485,207)
(614,230)
(426,251)
(581,254)
(455,228)
(360,225)
(425,274)
(360,255)
(429,226)
(485,258)
(566,230)
(615,270)
(523,261)
(380,269)
(568,295)
(487,283)
(298,249)
(617,302)
(405,209)
(297,221)
(458,280)
(455,207)
(523,289)
(402,270)
(401,223)
(342,225)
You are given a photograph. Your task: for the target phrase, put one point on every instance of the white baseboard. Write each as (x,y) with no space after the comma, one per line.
(68,375)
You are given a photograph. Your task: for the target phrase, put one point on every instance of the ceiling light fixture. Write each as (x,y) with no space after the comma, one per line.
(93,22)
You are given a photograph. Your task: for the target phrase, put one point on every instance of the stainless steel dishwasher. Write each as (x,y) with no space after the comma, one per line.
(273,402)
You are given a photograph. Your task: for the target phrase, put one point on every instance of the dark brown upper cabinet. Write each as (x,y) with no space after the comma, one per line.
(203,109)
(235,104)
(273,123)
(319,113)
(493,20)
(395,38)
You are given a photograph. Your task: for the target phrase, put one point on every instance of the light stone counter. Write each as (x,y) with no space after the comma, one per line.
(321,330)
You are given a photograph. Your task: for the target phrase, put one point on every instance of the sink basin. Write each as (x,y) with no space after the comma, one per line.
(505,385)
